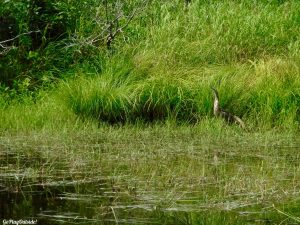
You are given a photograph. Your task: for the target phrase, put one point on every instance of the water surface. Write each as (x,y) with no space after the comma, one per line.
(148,179)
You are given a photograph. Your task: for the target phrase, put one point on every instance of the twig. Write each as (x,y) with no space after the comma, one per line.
(14,38)
(112,34)
(129,19)
(111,27)
(6,49)
(297,219)
(113,211)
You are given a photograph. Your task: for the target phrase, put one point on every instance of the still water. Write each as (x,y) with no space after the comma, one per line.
(98,203)
(173,183)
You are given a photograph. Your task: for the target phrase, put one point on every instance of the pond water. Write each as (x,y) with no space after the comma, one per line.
(197,185)
(97,202)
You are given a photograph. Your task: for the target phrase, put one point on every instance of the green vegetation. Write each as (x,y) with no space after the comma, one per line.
(162,174)
(126,85)
(162,64)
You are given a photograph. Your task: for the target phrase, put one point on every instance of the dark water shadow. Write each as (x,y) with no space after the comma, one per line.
(66,200)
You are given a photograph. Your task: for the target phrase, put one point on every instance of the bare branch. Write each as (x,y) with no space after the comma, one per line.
(110,27)
(111,35)
(5,49)
(134,13)
(16,37)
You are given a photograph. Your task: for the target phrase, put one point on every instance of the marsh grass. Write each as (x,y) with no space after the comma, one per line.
(225,32)
(164,173)
(100,97)
(264,93)
(253,51)
(164,72)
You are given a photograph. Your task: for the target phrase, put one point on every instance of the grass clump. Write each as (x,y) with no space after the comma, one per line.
(265,93)
(165,98)
(101,98)
(273,96)
(111,100)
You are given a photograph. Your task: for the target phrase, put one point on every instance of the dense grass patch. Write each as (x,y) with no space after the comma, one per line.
(110,99)
(162,66)
(265,93)
(100,98)
(165,97)
(250,46)
(224,32)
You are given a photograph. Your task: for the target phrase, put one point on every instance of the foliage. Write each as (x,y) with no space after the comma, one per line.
(127,62)
(57,35)
(71,69)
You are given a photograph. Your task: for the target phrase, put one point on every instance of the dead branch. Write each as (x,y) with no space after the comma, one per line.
(110,28)
(112,33)
(16,37)
(5,49)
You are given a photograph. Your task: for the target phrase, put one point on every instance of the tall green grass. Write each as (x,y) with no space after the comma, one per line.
(264,93)
(169,60)
(223,32)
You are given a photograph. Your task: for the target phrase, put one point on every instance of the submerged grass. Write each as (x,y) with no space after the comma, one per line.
(166,173)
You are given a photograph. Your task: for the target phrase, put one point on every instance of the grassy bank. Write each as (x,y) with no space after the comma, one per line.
(164,71)
(263,96)
(253,52)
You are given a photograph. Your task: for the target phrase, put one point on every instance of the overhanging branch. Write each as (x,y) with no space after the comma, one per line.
(5,49)
(16,37)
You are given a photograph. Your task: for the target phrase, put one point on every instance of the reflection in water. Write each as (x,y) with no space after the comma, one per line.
(130,187)
(60,204)
(98,202)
